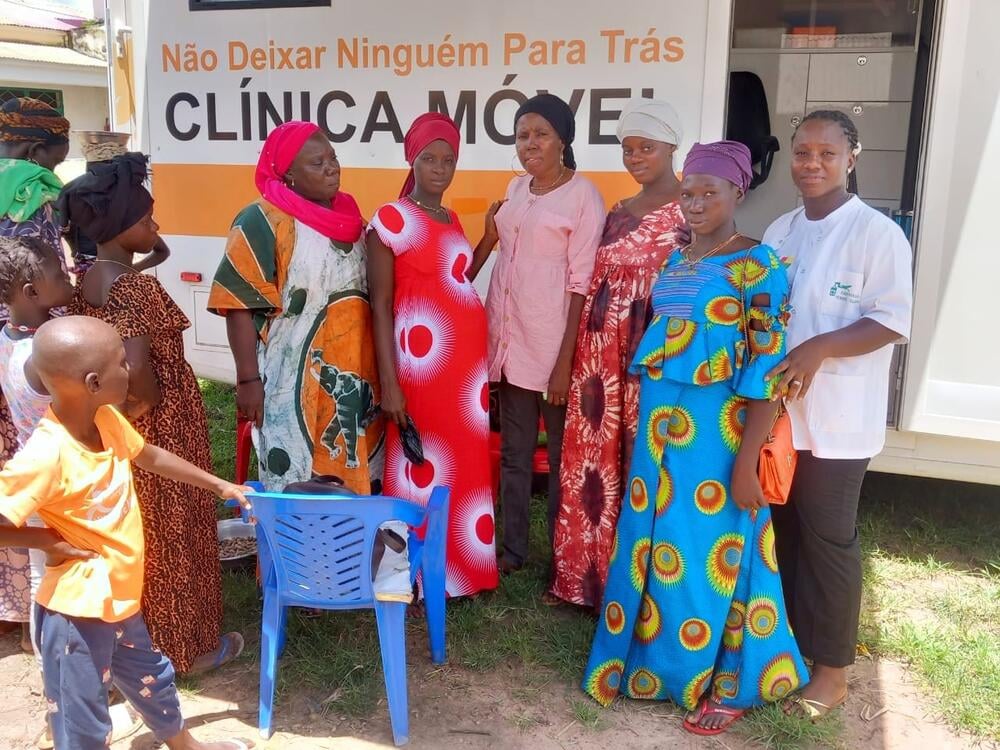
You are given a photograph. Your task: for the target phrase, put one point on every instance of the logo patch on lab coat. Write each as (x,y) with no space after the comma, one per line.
(845,292)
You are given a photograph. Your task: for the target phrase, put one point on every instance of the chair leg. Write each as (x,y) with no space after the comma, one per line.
(243,445)
(271,635)
(389,617)
(434,604)
(433,578)
(282,630)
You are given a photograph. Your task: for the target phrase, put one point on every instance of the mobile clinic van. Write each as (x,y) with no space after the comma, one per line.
(199,83)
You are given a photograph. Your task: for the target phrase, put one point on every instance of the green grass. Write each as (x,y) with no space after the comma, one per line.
(771,728)
(932,592)
(220,408)
(587,714)
(932,599)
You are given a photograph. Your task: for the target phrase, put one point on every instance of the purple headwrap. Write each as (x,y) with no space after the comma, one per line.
(729,160)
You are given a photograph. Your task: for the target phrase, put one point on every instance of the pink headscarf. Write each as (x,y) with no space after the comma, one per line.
(729,160)
(426,129)
(340,222)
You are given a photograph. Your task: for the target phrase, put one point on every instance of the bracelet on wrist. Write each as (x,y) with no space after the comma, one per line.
(254,379)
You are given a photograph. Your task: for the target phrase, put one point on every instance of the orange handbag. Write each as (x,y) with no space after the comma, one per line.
(776,465)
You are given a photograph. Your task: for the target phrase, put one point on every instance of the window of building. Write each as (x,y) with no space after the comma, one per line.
(51,97)
(249,4)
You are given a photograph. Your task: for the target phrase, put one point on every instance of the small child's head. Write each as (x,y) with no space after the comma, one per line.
(32,278)
(81,361)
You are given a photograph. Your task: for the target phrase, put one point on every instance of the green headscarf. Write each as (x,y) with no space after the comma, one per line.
(25,187)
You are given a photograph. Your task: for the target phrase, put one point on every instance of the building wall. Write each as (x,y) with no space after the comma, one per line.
(87,109)
(29,35)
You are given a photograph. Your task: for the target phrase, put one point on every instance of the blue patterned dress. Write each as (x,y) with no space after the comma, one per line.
(693,604)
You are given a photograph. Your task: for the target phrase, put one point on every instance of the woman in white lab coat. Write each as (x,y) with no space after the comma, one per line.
(850,271)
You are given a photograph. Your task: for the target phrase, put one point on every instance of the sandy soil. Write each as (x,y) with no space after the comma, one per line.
(455,708)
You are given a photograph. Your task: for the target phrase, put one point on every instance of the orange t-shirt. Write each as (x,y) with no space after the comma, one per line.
(89,499)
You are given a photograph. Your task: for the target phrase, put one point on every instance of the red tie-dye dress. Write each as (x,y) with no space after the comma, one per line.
(440,337)
(603,407)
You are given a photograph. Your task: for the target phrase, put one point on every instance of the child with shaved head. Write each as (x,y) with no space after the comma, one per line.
(75,472)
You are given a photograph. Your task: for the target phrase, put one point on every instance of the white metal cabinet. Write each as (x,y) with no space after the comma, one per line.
(884,126)
(862,76)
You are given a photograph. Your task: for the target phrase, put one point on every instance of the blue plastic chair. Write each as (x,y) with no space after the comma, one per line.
(315,551)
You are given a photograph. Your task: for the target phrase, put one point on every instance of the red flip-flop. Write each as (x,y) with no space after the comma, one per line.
(703,710)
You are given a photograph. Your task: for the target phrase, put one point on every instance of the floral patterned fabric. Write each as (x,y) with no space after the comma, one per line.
(693,605)
(603,402)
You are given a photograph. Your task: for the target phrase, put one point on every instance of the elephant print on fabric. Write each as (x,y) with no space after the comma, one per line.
(354,405)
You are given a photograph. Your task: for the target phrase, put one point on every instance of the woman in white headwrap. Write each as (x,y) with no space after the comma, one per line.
(603,400)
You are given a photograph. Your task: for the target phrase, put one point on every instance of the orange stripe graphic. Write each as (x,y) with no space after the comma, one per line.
(202,199)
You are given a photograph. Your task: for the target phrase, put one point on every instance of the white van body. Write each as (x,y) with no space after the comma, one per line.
(199,82)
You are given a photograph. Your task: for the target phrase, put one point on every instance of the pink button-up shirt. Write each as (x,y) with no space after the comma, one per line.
(547,248)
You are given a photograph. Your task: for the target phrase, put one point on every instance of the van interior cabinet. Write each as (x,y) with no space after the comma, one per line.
(820,54)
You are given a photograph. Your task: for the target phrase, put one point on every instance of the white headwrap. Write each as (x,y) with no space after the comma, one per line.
(650,118)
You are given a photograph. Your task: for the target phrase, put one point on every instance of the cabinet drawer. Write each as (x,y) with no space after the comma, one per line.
(861,76)
(880,174)
(882,126)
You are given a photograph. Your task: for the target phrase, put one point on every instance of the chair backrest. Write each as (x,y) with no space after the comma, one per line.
(318,548)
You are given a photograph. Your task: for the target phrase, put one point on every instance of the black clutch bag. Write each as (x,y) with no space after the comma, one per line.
(412,447)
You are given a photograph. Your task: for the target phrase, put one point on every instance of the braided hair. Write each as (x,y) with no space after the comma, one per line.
(21,260)
(850,132)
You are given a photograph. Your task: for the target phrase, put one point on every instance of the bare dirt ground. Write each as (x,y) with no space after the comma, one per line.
(455,708)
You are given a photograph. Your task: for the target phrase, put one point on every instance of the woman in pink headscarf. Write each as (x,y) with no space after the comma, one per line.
(430,334)
(292,287)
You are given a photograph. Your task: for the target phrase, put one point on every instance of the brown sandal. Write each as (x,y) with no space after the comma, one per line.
(551,600)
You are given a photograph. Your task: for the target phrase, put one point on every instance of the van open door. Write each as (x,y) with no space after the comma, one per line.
(952,384)
(919,79)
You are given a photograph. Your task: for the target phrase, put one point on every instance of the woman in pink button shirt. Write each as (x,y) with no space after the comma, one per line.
(549,227)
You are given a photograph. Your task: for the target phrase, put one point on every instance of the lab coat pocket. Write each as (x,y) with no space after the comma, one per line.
(842,298)
(837,403)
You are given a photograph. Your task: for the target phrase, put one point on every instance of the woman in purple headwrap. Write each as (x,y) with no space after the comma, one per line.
(693,609)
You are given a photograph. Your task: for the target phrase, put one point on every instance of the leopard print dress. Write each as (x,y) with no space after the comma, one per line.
(182,595)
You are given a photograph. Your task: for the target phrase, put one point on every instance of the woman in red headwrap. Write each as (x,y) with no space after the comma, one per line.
(430,334)
(292,287)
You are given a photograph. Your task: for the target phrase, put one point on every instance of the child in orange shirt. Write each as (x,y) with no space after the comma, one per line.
(75,472)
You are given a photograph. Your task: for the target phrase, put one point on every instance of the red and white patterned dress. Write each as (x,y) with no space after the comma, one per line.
(603,405)
(440,335)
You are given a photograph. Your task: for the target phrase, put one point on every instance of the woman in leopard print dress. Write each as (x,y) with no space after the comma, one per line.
(182,594)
